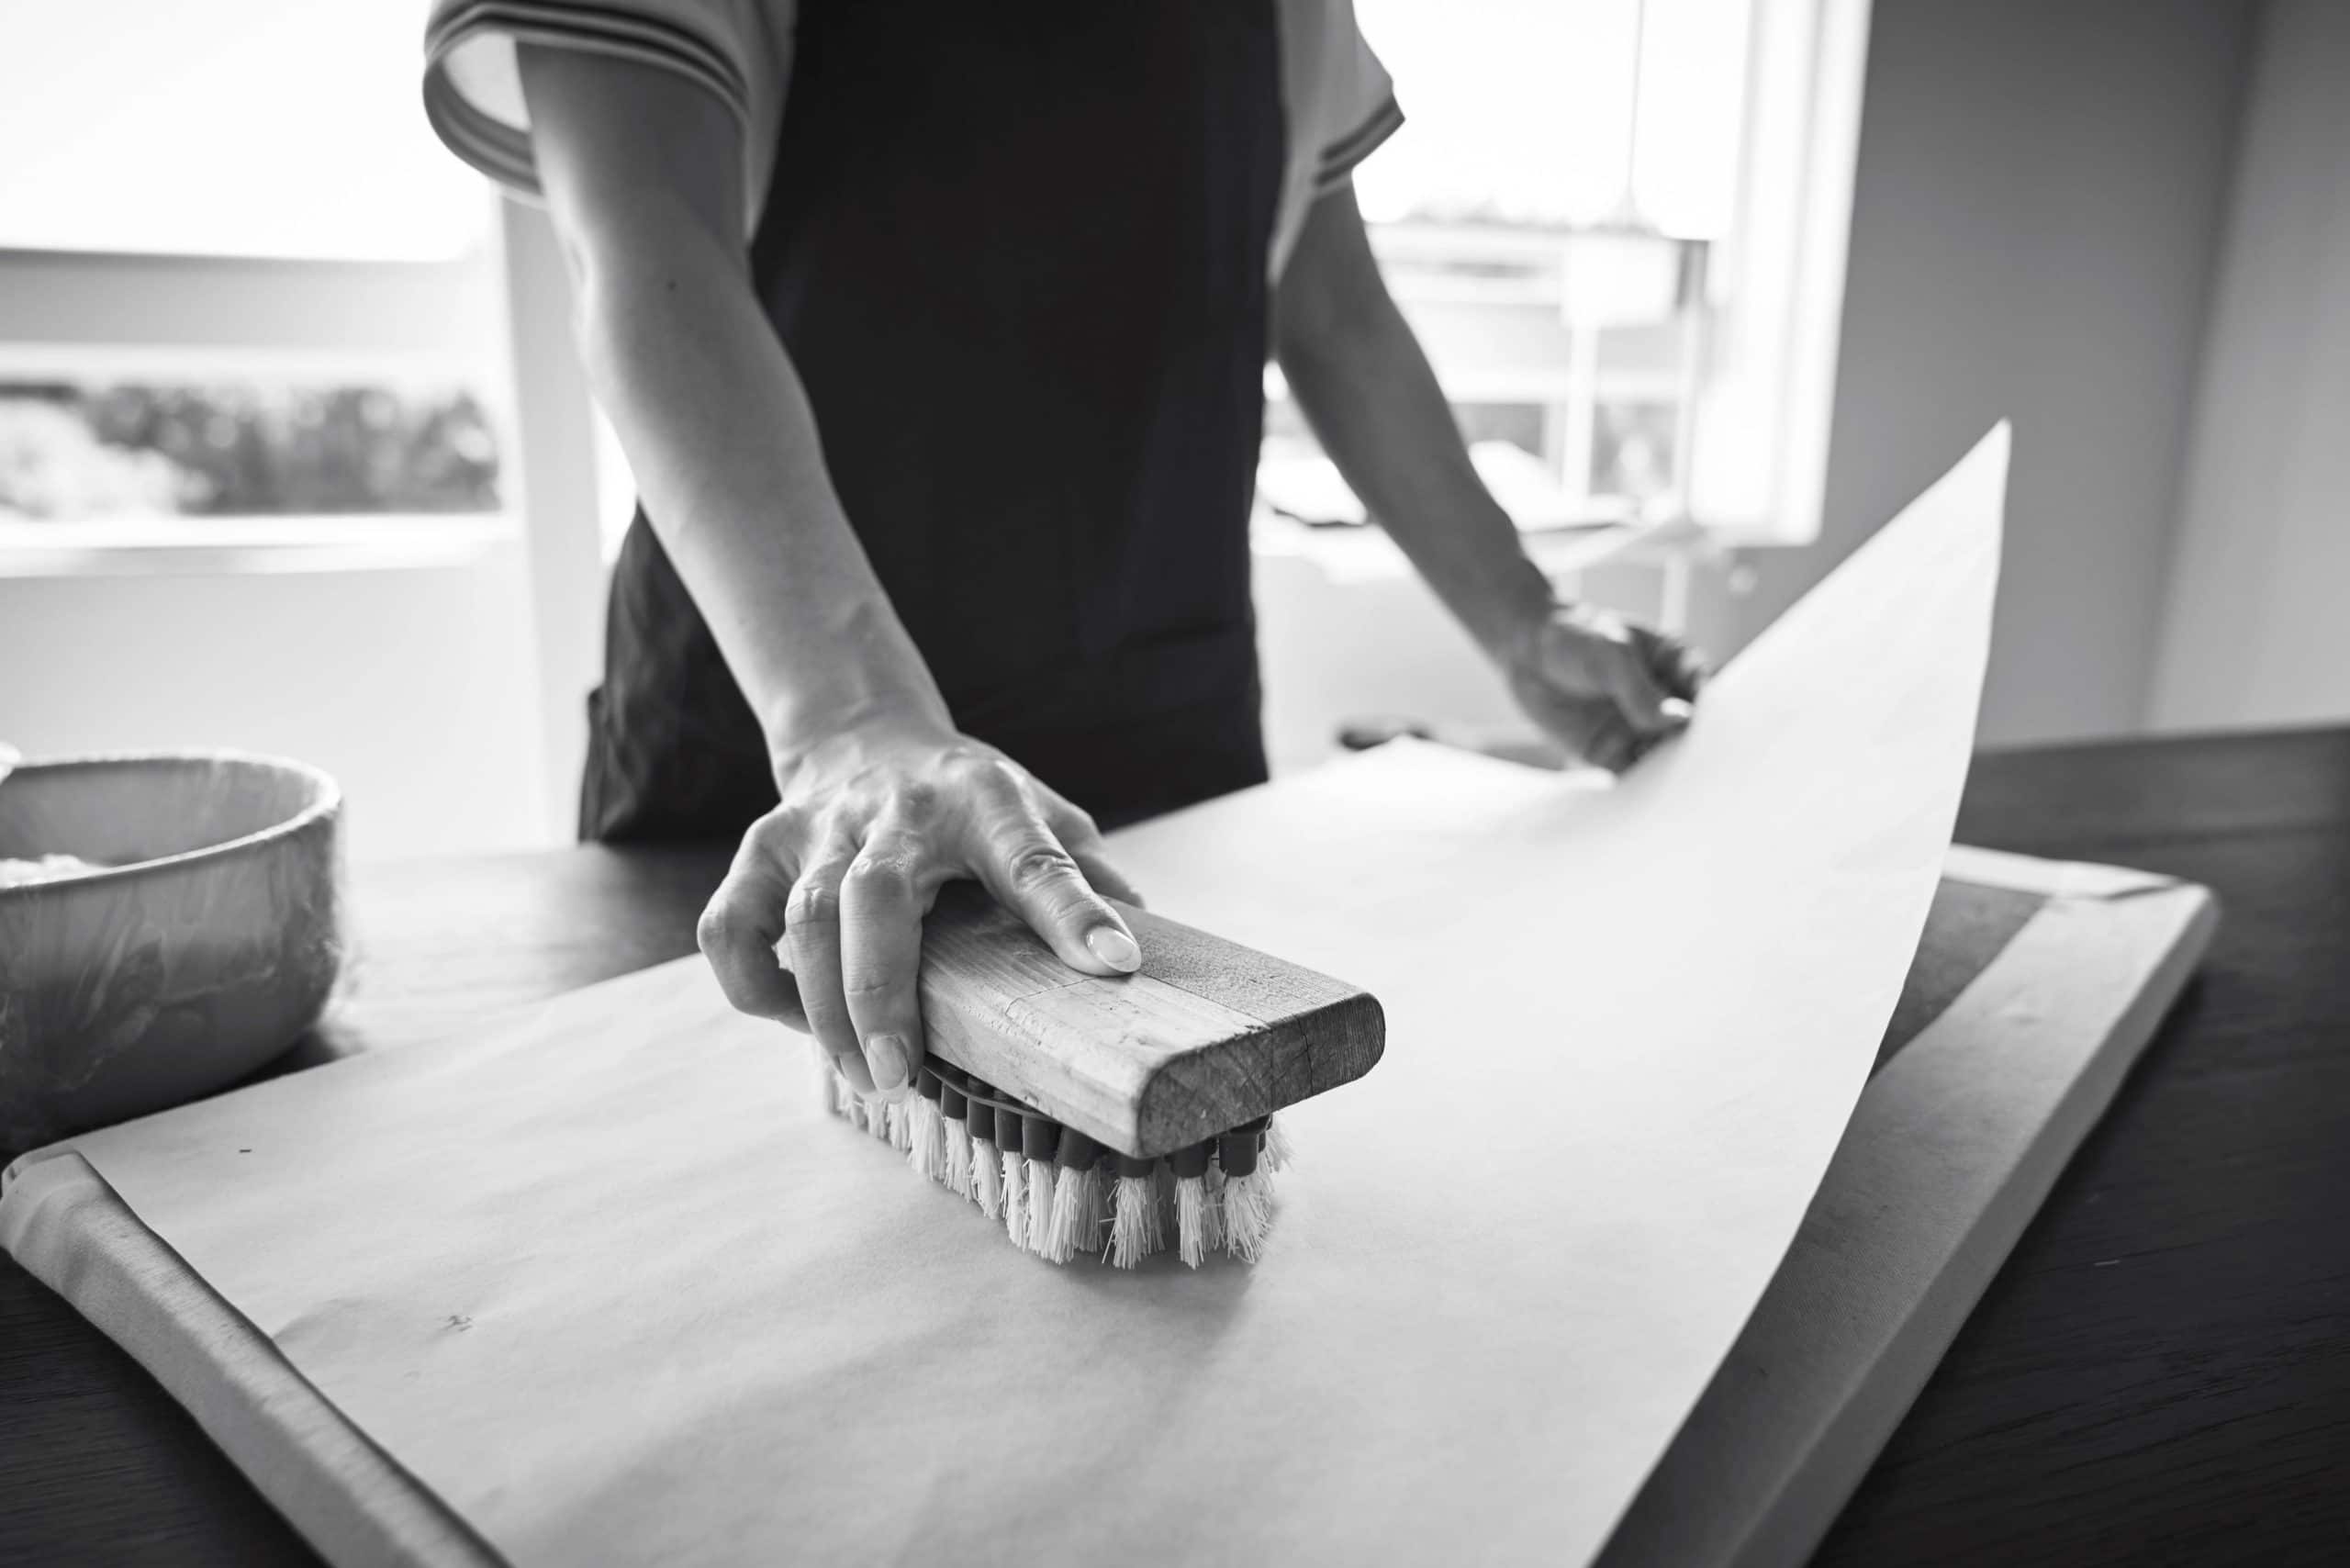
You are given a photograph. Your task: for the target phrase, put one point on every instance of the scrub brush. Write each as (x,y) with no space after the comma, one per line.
(1117,1118)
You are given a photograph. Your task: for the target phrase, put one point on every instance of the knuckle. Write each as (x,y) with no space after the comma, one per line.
(717,927)
(812,902)
(872,985)
(918,802)
(781,827)
(1036,864)
(996,774)
(885,875)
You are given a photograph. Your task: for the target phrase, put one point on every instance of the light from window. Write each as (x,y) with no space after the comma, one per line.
(263,128)
(1536,112)
(1533,219)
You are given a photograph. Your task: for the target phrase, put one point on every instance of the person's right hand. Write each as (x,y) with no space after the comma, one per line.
(872,821)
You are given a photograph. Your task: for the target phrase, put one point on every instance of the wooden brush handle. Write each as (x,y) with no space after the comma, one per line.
(1207,1036)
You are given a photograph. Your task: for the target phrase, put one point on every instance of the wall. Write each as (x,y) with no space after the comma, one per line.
(2034,216)
(415,686)
(2255,631)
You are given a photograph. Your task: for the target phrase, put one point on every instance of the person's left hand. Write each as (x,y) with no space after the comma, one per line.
(1607,688)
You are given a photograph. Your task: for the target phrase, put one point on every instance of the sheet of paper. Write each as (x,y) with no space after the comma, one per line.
(614,1288)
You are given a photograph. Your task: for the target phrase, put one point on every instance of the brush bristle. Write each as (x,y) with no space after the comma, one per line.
(1247,1214)
(987,1178)
(926,1139)
(955,1163)
(1041,1194)
(1076,1219)
(1133,1221)
(1016,1197)
(1192,1220)
(1058,1211)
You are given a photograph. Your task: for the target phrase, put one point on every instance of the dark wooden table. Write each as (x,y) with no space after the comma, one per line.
(2161,1373)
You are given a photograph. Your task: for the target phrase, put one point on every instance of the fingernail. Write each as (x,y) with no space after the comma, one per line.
(1114,947)
(886,1056)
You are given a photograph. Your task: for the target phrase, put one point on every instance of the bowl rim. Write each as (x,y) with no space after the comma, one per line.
(326,801)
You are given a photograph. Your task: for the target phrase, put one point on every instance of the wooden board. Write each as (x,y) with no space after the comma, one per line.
(1953,1146)
(1893,1252)
(1208,1035)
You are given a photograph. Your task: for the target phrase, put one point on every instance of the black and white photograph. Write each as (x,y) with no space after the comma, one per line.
(1046,782)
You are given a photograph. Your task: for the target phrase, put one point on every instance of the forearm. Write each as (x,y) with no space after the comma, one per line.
(724,448)
(1363,382)
(644,178)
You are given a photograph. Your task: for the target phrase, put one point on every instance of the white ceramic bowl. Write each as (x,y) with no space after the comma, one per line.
(205,948)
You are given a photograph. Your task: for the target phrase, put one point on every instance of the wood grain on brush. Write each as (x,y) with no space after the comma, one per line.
(1209,1035)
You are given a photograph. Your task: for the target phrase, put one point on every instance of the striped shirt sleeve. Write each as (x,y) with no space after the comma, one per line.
(473,90)
(1355,106)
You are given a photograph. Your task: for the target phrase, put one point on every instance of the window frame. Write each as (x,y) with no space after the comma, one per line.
(1776,283)
(72,316)
(1772,293)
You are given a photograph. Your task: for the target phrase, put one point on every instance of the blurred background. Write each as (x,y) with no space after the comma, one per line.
(296,456)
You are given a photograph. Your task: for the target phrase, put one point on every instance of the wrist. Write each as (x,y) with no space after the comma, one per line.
(1510,615)
(862,675)
(870,721)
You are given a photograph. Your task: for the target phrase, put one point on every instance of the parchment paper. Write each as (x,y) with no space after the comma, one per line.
(612,1286)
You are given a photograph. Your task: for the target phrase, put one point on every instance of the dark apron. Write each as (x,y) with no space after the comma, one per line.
(1017,251)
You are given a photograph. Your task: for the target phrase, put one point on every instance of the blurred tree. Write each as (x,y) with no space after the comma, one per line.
(244,451)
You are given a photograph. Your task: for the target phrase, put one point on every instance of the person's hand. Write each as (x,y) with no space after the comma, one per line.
(1604,688)
(872,821)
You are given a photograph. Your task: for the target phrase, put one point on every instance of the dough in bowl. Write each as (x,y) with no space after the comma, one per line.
(48,868)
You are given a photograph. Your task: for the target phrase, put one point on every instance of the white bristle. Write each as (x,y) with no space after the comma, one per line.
(925,1140)
(1016,1197)
(1212,1212)
(1040,1206)
(1191,1220)
(987,1179)
(955,1161)
(877,1118)
(1133,1221)
(1247,1214)
(1076,1206)
(1279,1153)
(901,1124)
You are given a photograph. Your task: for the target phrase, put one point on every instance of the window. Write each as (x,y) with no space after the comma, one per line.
(246,300)
(1617,228)
(283,129)
(112,449)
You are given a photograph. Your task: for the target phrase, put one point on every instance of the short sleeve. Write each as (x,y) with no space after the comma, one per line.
(473,88)
(1340,105)
(1358,108)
